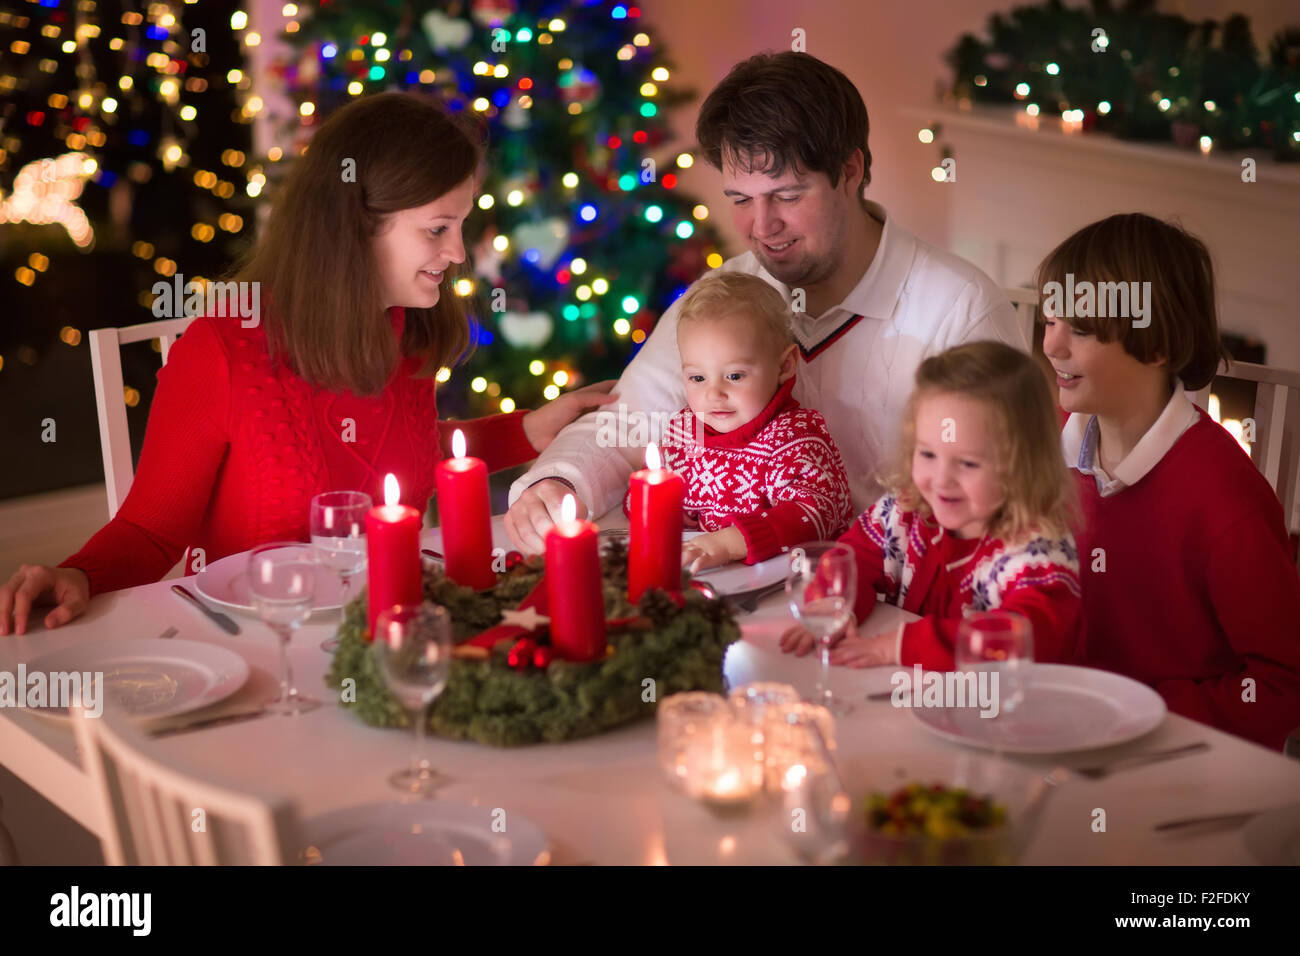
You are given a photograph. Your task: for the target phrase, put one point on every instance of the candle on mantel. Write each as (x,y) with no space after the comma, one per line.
(654,558)
(574,593)
(393,552)
(465,517)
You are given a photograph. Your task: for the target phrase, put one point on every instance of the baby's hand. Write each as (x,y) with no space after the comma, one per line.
(874,651)
(713,549)
(800,641)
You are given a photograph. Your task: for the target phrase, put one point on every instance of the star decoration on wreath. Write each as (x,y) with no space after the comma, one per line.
(528,618)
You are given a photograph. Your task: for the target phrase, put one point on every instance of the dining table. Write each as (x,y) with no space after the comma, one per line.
(604,799)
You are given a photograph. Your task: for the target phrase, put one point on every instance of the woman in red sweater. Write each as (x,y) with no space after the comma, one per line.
(332,386)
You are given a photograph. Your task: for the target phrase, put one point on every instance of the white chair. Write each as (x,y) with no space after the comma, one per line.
(149,806)
(1276,449)
(1026,303)
(106,361)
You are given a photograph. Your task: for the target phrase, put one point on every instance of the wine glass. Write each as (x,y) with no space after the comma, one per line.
(1002,643)
(282,583)
(338,530)
(412,647)
(821,588)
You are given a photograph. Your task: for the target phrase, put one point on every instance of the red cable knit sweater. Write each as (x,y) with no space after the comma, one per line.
(236,447)
(1189,586)
(778,478)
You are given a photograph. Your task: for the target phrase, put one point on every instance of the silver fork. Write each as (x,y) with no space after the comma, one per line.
(1138,760)
(749,602)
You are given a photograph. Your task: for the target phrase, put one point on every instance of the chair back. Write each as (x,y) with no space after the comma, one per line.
(106,362)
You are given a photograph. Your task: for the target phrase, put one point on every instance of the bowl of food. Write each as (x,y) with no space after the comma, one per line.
(944,809)
(936,809)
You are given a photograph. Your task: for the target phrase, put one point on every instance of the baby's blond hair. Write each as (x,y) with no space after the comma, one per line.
(721,295)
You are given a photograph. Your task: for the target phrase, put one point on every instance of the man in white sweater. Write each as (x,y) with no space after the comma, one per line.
(871,301)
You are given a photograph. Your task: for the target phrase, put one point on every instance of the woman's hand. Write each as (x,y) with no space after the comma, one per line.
(874,651)
(714,549)
(800,641)
(543,424)
(67,588)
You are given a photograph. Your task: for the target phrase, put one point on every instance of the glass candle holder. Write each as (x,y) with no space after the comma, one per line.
(720,768)
(752,704)
(792,752)
(680,717)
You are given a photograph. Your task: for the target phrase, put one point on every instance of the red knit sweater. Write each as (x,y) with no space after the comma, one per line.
(778,478)
(912,563)
(1197,592)
(236,447)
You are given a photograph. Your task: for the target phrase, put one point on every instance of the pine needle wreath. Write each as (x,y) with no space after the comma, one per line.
(492,703)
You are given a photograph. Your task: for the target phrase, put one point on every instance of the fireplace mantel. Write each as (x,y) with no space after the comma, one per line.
(1021,190)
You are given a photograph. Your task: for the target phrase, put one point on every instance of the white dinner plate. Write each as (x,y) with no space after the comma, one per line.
(1065,708)
(225,582)
(430,833)
(1273,838)
(149,677)
(738,578)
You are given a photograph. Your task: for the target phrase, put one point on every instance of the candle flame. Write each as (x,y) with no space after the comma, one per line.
(458,444)
(569,509)
(653,459)
(392,495)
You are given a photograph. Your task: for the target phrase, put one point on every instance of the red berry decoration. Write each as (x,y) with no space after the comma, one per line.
(513,560)
(542,657)
(521,655)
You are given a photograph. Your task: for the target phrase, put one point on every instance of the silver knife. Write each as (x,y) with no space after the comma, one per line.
(222,621)
(211,722)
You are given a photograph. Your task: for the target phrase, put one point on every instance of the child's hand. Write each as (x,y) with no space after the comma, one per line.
(874,651)
(800,641)
(714,549)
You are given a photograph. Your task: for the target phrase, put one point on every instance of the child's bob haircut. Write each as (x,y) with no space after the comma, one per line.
(721,295)
(1137,248)
(1039,496)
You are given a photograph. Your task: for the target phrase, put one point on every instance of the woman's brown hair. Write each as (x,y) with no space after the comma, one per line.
(323,310)
(1039,494)
(1137,248)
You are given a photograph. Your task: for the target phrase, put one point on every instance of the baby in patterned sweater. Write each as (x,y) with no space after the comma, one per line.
(761,472)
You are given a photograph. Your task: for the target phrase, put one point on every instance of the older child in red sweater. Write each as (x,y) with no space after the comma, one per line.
(762,473)
(977,517)
(1188,580)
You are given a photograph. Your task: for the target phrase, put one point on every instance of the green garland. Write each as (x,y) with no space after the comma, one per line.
(492,703)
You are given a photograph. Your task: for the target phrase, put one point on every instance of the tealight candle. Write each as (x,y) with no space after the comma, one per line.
(720,766)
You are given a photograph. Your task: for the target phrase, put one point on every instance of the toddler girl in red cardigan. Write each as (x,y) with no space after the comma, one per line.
(332,386)
(1189,581)
(762,473)
(977,518)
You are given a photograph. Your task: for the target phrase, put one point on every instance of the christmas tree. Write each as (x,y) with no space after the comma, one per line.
(582,236)
(101,108)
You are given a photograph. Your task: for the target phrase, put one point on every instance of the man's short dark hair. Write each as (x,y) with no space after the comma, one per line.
(777,110)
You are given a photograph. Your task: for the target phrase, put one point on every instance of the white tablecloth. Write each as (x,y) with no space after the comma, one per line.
(603,800)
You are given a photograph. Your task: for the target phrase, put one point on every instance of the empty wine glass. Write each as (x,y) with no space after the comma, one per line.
(821,589)
(1001,642)
(338,530)
(412,647)
(282,583)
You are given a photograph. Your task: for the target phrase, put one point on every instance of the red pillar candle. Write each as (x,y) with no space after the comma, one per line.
(654,558)
(465,517)
(574,593)
(393,551)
